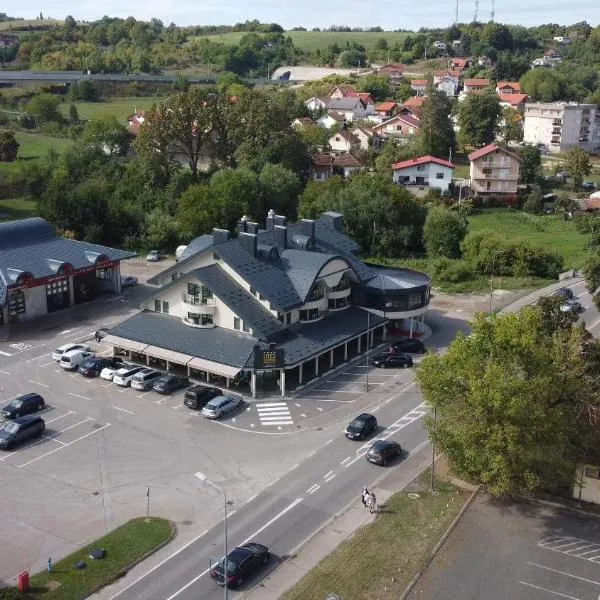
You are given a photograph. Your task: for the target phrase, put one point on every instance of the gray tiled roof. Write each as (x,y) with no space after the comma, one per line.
(216,344)
(31,246)
(245,306)
(348,103)
(396,279)
(302,268)
(307,340)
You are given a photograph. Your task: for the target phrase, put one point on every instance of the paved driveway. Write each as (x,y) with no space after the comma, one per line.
(504,549)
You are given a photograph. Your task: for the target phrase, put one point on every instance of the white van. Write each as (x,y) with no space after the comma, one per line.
(72,359)
(144,380)
(180,250)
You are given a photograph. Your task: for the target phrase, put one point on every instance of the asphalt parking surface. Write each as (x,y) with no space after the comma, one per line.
(516,549)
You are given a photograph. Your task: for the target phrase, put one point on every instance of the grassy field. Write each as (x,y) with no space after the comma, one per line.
(17,208)
(121,108)
(34,146)
(382,558)
(313,40)
(124,546)
(17,27)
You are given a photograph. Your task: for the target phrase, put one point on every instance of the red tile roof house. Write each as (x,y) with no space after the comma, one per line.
(387,109)
(516,101)
(394,71)
(475,85)
(460,64)
(325,166)
(412,106)
(419,85)
(508,87)
(345,165)
(342,91)
(425,171)
(398,127)
(367,101)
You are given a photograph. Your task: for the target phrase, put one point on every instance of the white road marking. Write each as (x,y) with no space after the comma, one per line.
(78,396)
(303,415)
(328,442)
(38,383)
(315,488)
(107,384)
(47,437)
(5,372)
(537,587)
(292,468)
(145,394)
(564,573)
(311,488)
(251,498)
(68,444)
(46,364)
(254,535)
(327,474)
(312,454)
(129,412)
(5,353)
(346,460)
(330,477)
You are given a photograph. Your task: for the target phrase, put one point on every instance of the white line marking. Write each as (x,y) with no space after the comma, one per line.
(124,410)
(345,460)
(270,404)
(38,383)
(47,437)
(316,487)
(537,587)
(5,353)
(68,444)
(312,454)
(46,364)
(312,488)
(78,396)
(327,474)
(564,573)
(4,373)
(251,498)
(254,535)
(330,477)
(275,417)
(328,442)
(279,423)
(144,394)
(293,467)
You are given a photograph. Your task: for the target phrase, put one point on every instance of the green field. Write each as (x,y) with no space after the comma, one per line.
(313,40)
(34,146)
(17,27)
(17,208)
(121,108)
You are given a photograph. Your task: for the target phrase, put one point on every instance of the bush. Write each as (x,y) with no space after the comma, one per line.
(451,270)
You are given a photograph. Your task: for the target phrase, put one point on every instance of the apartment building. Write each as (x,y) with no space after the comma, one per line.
(494,173)
(563,125)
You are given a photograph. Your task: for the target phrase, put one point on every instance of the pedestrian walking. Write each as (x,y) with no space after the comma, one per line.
(365,496)
(372,503)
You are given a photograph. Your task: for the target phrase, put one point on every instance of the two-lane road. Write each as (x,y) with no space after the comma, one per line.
(291,509)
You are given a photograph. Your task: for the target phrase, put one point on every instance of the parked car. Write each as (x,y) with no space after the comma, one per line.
(382,451)
(20,430)
(564,292)
(589,186)
(145,379)
(168,384)
(109,372)
(72,359)
(23,405)
(573,306)
(67,348)
(123,376)
(153,256)
(128,281)
(198,396)
(242,562)
(385,361)
(220,406)
(408,345)
(360,427)
(93,367)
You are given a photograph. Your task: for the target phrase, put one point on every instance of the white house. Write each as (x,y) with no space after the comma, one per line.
(328,120)
(562,39)
(351,107)
(316,104)
(366,137)
(447,74)
(447,85)
(419,85)
(399,126)
(343,142)
(424,171)
(439,45)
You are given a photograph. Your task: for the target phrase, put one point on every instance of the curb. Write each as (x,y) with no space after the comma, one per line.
(437,547)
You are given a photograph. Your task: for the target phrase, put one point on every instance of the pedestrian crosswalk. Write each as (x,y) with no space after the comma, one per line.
(274,413)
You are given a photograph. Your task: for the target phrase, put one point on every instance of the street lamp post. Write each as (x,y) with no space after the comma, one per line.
(204,478)
(367,354)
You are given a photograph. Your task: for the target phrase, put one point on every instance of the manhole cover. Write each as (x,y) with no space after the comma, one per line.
(413,496)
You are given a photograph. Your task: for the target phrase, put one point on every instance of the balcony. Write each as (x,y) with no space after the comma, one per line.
(556,131)
(555,139)
(557,122)
(198,323)
(198,305)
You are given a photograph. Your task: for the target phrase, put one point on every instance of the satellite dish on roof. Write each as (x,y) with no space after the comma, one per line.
(244,218)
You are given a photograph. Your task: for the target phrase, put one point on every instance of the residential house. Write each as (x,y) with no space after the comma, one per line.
(302,122)
(366,138)
(484,62)
(395,72)
(563,125)
(343,142)
(328,120)
(552,55)
(367,101)
(425,171)
(351,107)
(446,74)
(316,104)
(494,173)
(399,126)
(412,106)
(419,85)
(342,91)
(475,85)
(542,63)
(508,87)
(386,109)
(438,45)
(322,167)
(135,122)
(447,85)
(460,64)
(345,165)
(516,101)
(562,39)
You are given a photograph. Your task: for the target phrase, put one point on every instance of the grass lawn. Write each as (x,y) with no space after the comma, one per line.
(313,40)
(121,108)
(124,546)
(17,208)
(381,559)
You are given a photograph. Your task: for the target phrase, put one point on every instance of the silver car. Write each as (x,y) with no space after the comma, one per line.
(153,256)
(123,377)
(221,405)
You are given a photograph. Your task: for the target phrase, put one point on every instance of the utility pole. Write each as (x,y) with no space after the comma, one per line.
(493,9)
(476,10)
(432,483)
(456,14)
(368,339)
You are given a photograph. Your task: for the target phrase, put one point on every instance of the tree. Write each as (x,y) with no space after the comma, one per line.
(376,85)
(9,147)
(514,402)
(535,200)
(279,189)
(436,134)
(403,91)
(45,108)
(543,85)
(512,125)
(591,272)
(443,232)
(235,192)
(160,230)
(531,163)
(478,117)
(577,165)
(73,114)
(108,134)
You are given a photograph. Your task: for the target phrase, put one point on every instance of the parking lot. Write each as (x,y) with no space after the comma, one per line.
(516,549)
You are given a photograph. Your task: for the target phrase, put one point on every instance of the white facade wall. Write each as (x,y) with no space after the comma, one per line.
(202,260)
(338,143)
(429,172)
(35,304)
(447,86)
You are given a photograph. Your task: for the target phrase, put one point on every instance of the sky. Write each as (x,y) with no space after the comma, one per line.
(401,14)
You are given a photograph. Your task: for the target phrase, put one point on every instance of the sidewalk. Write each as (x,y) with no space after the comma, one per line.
(338,529)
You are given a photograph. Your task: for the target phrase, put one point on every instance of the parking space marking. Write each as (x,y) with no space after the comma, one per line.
(564,573)
(78,396)
(345,460)
(52,362)
(144,394)
(129,412)
(313,488)
(5,353)
(537,587)
(106,384)
(65,446)
(47,437)
(558,543)
(329,478)
(38,383)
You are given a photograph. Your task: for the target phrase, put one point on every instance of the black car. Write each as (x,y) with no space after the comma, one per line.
(563,292)
(361,427)
(415,346)
(382,451)
(94,366)
(588,186)
(169,383)
(20,430)
(197,397)
(23,405)
(384,361)
(242,562)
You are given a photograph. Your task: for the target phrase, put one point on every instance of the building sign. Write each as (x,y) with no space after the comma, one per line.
(268,358)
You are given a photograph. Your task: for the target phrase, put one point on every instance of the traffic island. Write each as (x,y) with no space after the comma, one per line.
(97,564)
